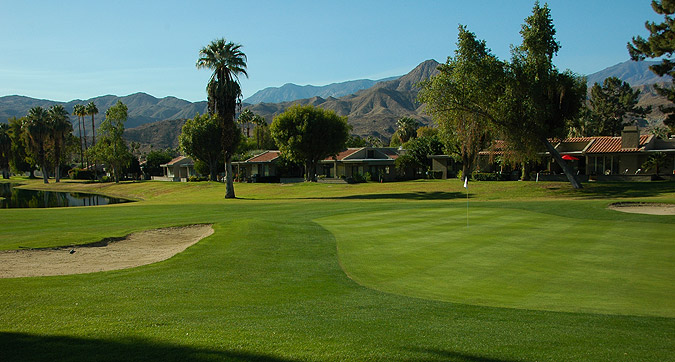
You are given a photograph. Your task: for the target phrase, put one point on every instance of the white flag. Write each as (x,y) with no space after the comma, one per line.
(466,182)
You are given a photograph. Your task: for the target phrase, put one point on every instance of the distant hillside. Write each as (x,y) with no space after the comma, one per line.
(640,77)
(290,92)
(371,111)
(157,135)
(635,73)
(143,108)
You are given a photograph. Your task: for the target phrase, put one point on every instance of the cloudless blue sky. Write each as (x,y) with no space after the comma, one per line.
(64,50)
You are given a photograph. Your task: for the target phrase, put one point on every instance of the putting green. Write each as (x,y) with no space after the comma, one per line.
(511,258)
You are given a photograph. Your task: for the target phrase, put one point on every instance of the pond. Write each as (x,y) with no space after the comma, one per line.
(12,197)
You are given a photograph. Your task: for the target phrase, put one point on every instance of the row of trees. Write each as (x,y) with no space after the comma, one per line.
(44,138)
(41,138)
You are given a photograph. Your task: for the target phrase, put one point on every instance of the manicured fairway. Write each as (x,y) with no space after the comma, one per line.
(268,284)
(513,258)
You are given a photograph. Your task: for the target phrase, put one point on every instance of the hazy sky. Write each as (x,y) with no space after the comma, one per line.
(64,50)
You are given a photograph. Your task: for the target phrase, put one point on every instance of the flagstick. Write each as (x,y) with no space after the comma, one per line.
(466,186)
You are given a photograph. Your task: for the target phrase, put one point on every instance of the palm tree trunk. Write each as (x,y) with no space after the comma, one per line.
(57,163)
(566,169)
(93,130)
(79,127)
(84,132)
(229,178)
(43,165)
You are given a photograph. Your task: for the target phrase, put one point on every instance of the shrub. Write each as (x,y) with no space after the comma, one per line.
(359,178)
(106,179)
(488,176)
(80,174)
(197,178)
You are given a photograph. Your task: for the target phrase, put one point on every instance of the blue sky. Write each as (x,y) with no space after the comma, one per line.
(64,50)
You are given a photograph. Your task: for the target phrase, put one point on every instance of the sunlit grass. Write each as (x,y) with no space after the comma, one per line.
(268,284)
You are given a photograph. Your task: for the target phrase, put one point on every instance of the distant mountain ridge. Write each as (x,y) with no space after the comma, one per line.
(635,73)
(143,108)
(290,92)
(371,111)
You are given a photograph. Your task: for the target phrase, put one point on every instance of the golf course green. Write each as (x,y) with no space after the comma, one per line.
(319,272)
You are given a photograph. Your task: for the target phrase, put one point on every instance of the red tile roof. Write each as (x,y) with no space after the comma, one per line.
(346,153)
(613,144)
(176,160)
(266,156)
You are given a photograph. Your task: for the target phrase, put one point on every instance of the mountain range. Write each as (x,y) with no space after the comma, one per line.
(290,92)
(373,111)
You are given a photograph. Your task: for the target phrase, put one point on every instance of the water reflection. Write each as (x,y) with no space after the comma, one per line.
(12,197)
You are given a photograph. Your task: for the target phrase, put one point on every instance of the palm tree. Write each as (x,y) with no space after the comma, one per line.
(92,110)
(245,119)
(61,127)
(38,129)
(79,111)
(656,161)
(407,128)
(224,95)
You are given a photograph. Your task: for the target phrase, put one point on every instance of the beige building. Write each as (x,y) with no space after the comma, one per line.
(179,169)
(379,162)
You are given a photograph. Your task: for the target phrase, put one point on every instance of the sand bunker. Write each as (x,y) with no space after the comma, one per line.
(644,208)
(136,249)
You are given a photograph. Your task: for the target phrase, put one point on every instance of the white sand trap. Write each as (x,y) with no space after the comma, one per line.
(644,208)
(136,249)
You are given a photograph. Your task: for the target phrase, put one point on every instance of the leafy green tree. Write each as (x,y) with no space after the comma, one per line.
(373,141)
(111,148)
(419,149)
(224,96)
(584,125)
(20,160)
(38,130)
(659,44)
(463,98)
(80,111)
(539,101)
(61,129)
(154,159)
(5,149)
(200,139)
(307,134)
(355,141)
(612,103)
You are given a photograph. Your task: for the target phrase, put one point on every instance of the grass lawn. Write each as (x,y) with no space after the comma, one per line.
(311,272)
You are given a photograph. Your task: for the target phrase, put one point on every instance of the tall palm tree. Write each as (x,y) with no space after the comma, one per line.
(61,127)
(79,111)
(38,130)
(224,95)
(92,111)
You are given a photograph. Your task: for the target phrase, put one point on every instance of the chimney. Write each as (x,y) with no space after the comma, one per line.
(630,137)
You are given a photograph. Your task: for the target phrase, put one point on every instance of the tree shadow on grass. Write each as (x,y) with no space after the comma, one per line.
(445,355)
(623,190)
(419,195)
(15,347)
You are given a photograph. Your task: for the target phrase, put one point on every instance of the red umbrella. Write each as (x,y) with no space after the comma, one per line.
(569,158)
